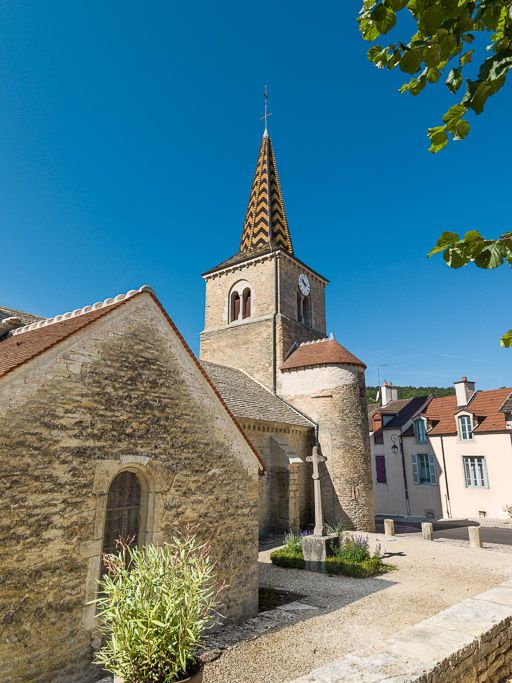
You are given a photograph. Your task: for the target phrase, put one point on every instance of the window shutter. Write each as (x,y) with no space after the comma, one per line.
(380,466)
(415,473)
(432,468)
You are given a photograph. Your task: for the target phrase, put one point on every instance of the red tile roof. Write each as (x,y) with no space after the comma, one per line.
(321,352)
(485,406)
(23,346)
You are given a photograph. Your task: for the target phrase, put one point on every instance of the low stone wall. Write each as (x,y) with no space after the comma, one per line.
(470,642)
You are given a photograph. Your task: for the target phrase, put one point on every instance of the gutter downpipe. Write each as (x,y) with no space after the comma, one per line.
(448,502)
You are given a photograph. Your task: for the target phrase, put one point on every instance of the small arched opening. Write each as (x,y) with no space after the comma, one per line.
(246,301)
(235,307)
(304,309)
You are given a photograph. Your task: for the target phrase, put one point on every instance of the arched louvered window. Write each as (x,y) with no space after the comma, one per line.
(304,309)
(246,300)
(123,512)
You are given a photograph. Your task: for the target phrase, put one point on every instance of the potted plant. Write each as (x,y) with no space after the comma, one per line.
(154,604)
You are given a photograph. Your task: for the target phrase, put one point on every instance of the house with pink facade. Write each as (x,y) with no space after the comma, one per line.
(447,457)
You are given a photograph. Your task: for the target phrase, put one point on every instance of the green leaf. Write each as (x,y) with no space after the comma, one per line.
(438,138)
(431,19)
(454,80)
(410,61)
(491,256)
(466,57)
(455,258)
(453,115)
(506,340)
(472,236)
(447,239)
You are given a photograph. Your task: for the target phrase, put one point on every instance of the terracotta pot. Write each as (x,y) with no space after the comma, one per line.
(195,678)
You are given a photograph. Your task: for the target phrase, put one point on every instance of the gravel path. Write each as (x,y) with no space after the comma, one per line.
(338,614)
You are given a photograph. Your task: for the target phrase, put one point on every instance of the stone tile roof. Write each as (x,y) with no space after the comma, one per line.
(320,352)
(26,318)
(265,220)
(484,405)
(246,398)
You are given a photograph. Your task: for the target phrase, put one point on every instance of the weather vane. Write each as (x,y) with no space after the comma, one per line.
(267,114)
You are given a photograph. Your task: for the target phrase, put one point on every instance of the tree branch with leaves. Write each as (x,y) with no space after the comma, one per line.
(441,47)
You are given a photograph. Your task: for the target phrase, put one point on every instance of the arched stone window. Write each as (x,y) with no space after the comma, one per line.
(304,309)
(246,300)
(123,513)
(240,301)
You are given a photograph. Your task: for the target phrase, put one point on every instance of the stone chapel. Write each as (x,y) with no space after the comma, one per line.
(291,387)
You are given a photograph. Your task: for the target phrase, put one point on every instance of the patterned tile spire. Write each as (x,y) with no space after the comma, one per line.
(265,221)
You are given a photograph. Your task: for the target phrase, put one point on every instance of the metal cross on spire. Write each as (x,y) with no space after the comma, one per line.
(267,114)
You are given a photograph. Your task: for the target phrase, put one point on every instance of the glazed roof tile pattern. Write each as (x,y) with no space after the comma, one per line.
(26,318)
(320,352)
(485,406)
(248,399)
(265,220)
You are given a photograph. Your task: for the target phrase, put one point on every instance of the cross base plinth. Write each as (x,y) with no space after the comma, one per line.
(316,549)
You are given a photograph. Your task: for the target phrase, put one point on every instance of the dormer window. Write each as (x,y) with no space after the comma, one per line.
(420,432)
(465,428)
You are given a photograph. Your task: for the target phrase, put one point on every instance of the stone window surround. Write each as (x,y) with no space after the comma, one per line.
(242,288)
(106,471)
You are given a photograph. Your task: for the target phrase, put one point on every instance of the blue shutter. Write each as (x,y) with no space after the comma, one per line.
(432,468)
(415,473)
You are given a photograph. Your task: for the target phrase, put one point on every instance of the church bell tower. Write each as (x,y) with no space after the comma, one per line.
(263,301)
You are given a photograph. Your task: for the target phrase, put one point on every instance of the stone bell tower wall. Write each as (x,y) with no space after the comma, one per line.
(334,397)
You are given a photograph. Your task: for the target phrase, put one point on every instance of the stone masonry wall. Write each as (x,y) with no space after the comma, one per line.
(120,394)
(470,642)
(341,413)
(246,346)
(285,501)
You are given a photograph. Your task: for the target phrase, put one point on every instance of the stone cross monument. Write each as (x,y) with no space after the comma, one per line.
(316,459)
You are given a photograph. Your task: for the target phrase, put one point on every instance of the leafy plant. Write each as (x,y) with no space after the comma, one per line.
(508,510)
(284,557)
(293,541)
(359,570)
(153,606)
(442,43)
(474,248)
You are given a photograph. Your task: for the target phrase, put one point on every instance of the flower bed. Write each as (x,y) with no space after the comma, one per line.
(350,557)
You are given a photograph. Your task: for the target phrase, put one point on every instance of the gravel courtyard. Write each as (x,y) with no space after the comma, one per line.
(336,615)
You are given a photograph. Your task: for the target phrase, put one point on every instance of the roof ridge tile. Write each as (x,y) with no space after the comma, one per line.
(80,311)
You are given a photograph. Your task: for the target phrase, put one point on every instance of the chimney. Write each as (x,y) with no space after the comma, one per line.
(388,393)
(464,390)
(8,324)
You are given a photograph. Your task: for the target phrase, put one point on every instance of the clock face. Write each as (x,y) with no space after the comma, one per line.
(304,285)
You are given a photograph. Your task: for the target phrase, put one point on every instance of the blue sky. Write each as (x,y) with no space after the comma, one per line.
(128,138)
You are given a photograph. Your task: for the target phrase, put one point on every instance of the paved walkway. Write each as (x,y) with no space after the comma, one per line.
(338,615)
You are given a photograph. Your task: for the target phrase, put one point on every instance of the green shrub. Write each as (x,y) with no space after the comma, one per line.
(293,543)
(353,548)
(284,557)
(153,606)
(360,570)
